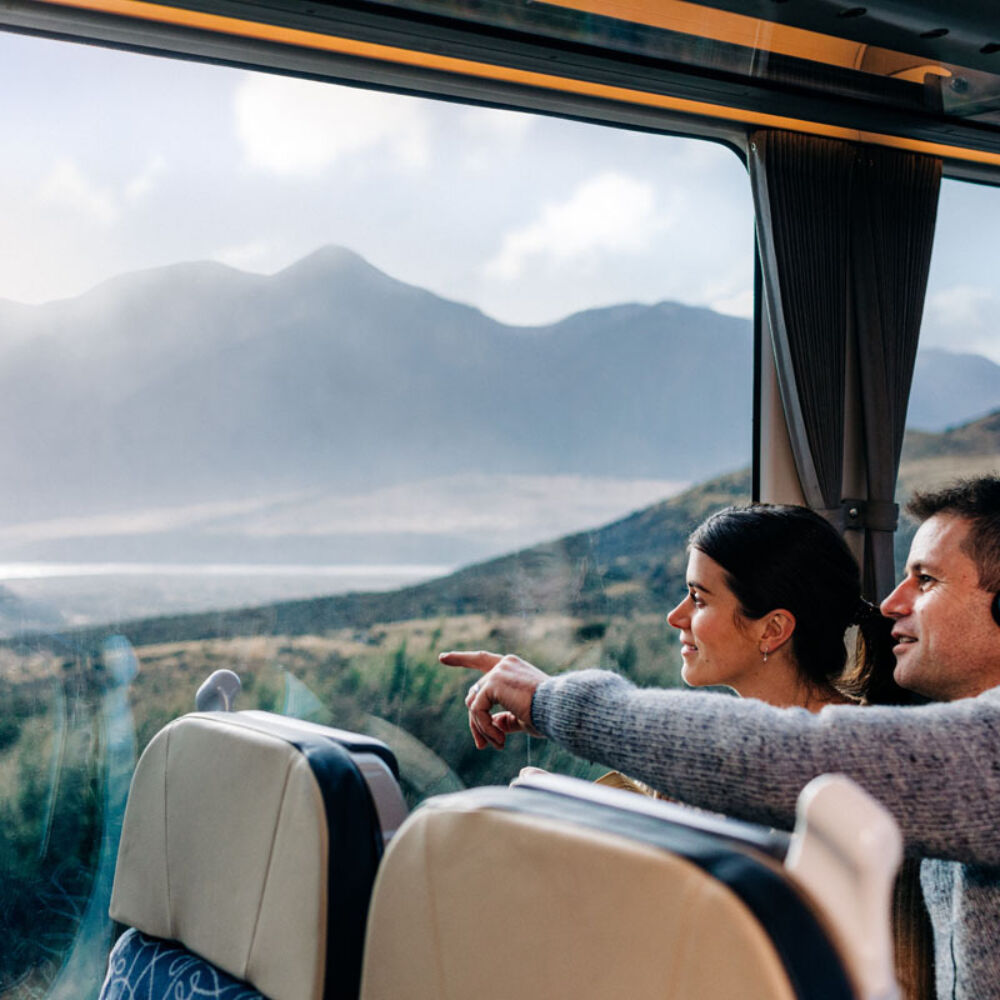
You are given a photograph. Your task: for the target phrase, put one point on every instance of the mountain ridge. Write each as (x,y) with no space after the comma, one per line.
(187,383)
(200,382)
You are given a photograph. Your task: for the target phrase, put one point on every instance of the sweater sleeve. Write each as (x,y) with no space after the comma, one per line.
(935,767)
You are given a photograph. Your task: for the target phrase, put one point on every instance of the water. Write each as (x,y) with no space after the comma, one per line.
(74,594)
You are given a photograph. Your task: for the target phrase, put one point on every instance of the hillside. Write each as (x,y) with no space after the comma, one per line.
(368,661)
(980,437)
(631,566)
(625,567)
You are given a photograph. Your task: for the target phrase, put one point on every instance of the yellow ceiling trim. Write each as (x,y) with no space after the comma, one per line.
(722,26)
(446,64)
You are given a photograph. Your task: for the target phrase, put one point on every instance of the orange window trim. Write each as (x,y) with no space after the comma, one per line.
(723,26)
(297,38)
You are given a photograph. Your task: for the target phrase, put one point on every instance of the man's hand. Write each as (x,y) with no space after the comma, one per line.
(507,681)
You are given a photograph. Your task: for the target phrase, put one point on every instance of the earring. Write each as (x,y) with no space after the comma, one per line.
(764,653)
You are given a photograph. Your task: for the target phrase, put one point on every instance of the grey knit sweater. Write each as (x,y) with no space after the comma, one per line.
(936,768)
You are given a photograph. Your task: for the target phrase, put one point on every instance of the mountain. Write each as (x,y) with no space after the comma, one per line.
(199,384)
(951,388)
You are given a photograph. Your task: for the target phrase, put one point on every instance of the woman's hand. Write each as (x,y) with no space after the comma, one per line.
(507,681)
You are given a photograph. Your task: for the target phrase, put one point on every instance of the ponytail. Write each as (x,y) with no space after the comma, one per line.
(870,678)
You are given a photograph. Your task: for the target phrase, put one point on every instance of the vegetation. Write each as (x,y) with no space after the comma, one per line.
(49,822)
(366,662)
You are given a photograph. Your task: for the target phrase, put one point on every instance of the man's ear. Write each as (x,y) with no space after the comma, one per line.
(779,626)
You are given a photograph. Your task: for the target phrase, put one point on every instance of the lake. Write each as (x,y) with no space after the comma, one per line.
(73,594)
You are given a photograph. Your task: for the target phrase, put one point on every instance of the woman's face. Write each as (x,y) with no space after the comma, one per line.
(718,644)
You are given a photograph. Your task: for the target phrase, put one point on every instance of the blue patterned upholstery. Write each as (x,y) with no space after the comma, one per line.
(148,968)
(271,887)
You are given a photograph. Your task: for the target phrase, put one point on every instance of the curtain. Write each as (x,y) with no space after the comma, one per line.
(844,234)
(801,187)
(895,208)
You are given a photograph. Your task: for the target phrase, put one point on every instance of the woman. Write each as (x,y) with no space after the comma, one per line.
(772,590)
(772,593)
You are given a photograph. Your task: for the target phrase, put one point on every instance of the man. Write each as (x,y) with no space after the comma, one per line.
(949,639)
(936,767)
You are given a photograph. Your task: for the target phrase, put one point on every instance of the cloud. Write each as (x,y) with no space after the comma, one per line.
(153,520)
(726,290)
(145,181)
(297,127)
(256,255)
(525,508)
(739,304)
(66,187)
(506,126)
(489,135)
(960,305)
(963,318)
(611,212)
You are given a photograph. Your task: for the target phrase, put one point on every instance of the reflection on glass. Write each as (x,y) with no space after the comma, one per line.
(67,752)
(302,457)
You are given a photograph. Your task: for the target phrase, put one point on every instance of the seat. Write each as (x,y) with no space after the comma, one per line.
(558,888)
(249,847)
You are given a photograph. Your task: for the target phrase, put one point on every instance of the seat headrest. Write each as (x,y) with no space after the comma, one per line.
(499,892)
(227,847)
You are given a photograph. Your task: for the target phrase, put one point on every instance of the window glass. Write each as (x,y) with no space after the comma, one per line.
(312,383)
(956,383)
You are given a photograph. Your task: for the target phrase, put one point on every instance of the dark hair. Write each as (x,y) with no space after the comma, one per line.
(777,556)
(978,501)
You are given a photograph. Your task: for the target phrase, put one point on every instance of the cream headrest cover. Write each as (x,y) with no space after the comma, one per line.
(224,848)
(490,904)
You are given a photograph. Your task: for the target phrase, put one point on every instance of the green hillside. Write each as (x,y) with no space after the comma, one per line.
(631,566)
(366,662)
(592,598)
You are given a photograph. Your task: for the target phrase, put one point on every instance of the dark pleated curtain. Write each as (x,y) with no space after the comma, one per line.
(845,234)
(801,188)
(895,208)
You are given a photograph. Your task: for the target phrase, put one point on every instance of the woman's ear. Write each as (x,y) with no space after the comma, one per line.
(778,629)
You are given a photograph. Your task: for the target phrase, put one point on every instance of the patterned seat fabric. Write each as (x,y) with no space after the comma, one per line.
(141,966)
(251,841)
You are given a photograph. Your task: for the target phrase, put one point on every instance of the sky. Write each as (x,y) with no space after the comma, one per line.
(115,162)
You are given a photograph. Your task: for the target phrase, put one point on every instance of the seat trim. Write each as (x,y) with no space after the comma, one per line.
(813,966)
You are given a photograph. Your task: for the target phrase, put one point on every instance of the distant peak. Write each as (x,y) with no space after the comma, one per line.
(336,267)
(329,258)
(165,277)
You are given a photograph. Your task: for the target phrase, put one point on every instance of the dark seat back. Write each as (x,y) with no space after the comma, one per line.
(252,841)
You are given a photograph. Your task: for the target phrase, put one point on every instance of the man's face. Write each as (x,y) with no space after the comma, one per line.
(947,644)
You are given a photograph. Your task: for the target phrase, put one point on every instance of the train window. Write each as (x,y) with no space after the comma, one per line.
(311,383)
(956,385)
